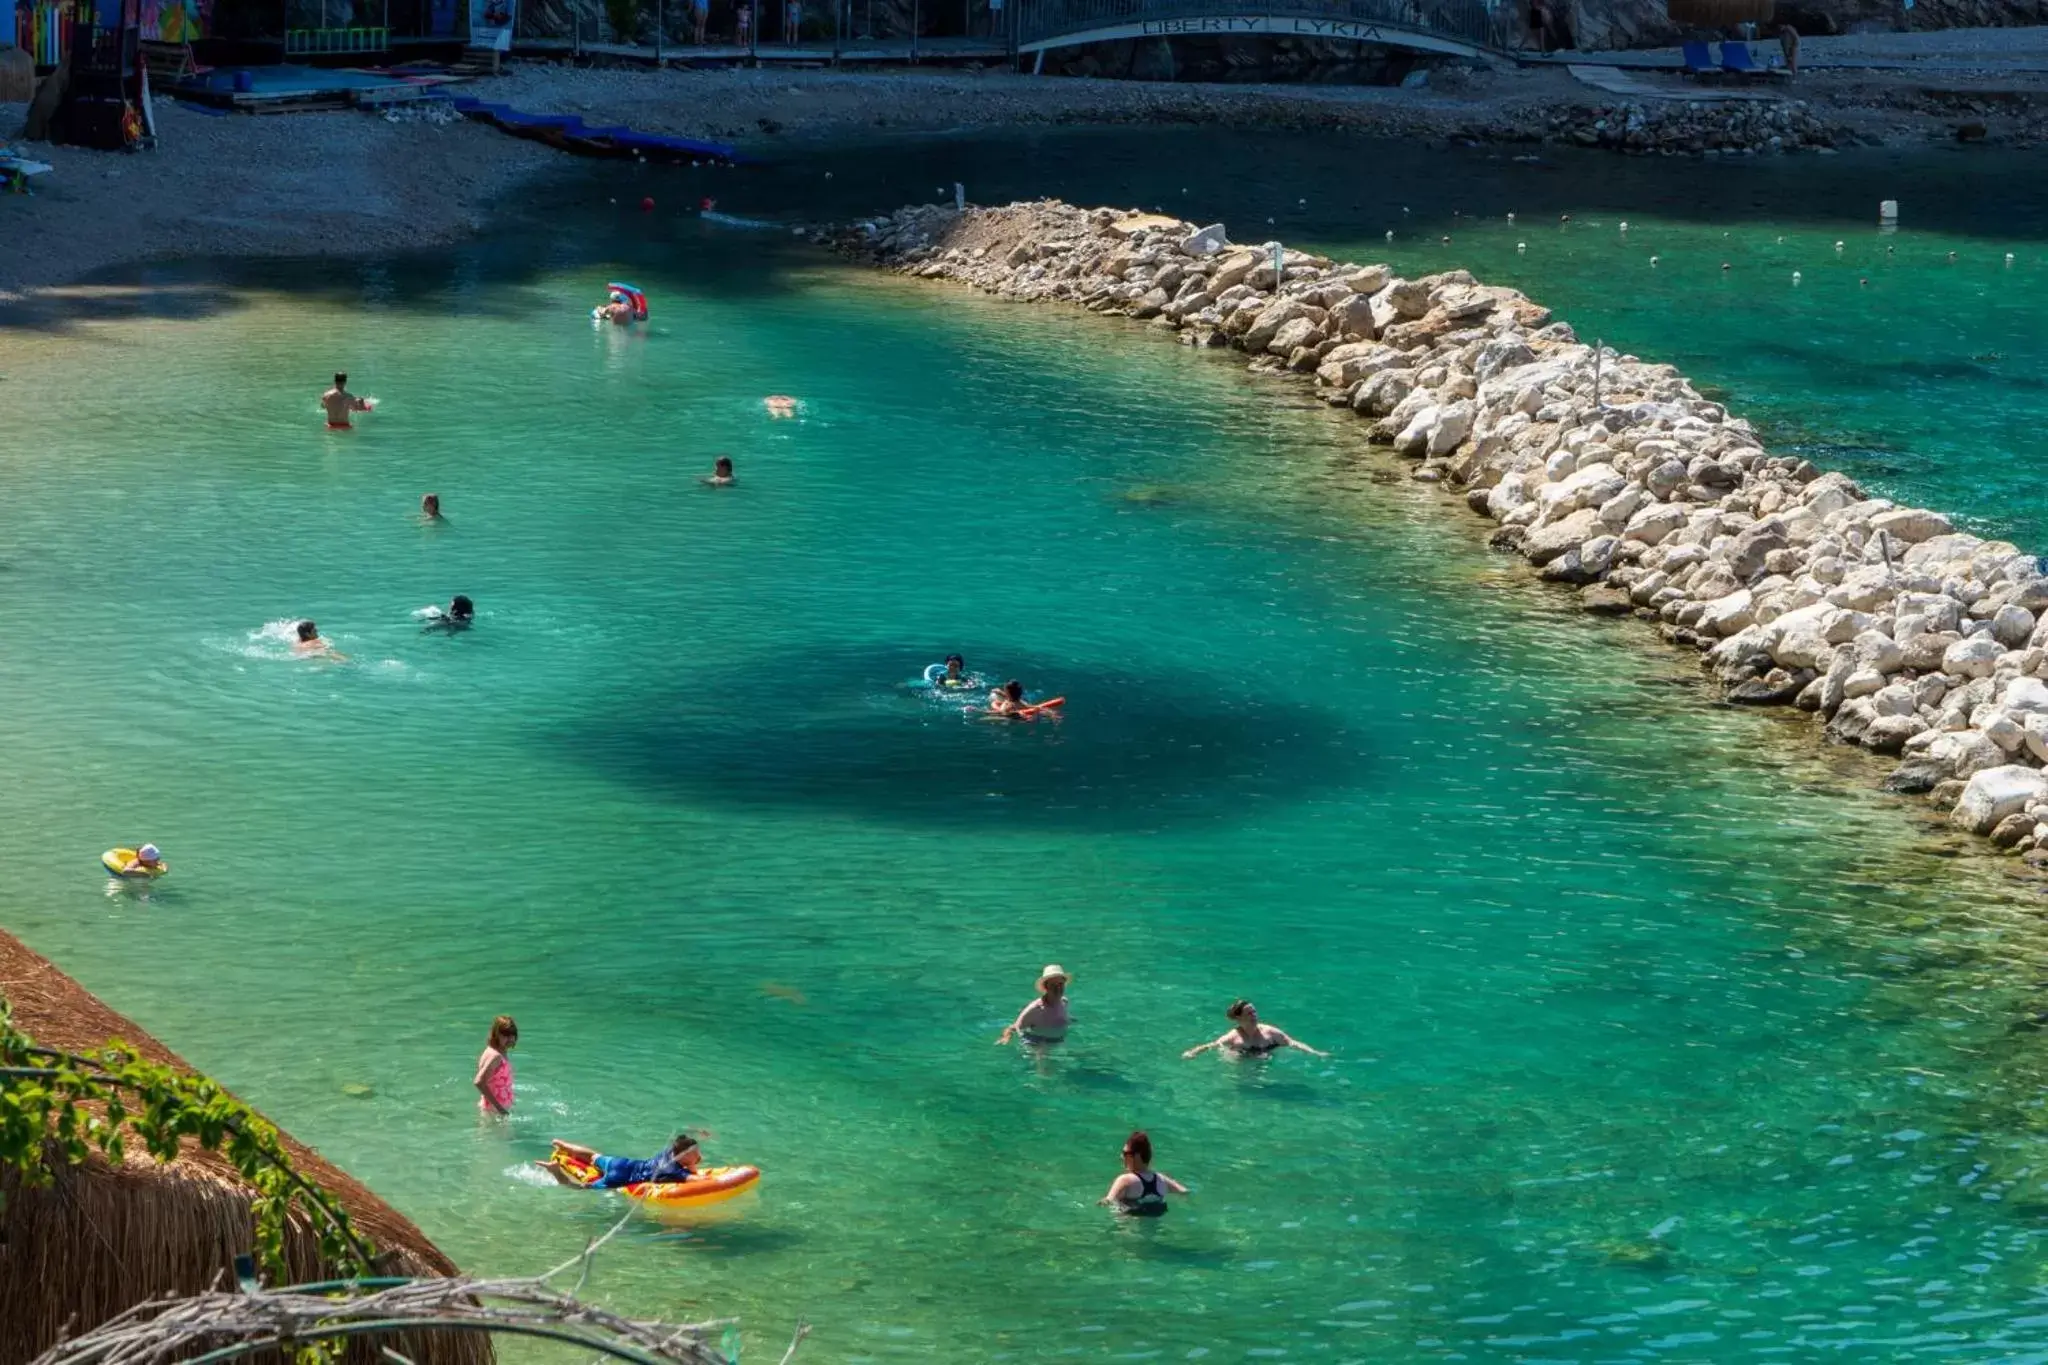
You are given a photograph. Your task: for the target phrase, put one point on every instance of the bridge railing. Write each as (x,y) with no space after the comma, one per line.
(1470,21)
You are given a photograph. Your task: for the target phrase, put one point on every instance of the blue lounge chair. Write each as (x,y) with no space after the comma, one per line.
(1735,60)
(1699,61)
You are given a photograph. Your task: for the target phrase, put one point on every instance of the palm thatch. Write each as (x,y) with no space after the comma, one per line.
(1720,13)
(106,1237)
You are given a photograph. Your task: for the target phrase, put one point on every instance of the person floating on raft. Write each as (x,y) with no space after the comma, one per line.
(1007,703)
(626,304)
(135,862)
(588,1169)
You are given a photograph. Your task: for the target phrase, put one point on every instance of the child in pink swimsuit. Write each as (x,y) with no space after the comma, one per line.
(494,1068)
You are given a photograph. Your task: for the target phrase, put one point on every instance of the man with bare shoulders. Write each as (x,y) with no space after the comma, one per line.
(339,403)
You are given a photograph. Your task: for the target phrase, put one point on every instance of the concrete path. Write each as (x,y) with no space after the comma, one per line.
(1991,50)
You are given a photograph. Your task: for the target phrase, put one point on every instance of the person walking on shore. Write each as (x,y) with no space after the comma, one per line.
(339,403)
(494,1068)
(1250,1038)
(1045,1019)
(1140,1191)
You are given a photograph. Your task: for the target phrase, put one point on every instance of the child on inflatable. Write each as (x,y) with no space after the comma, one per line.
(587,1168)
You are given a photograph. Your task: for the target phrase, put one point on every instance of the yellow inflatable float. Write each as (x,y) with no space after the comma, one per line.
(118,862)
(709,1185)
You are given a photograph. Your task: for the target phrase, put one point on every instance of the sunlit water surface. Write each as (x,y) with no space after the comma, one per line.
(1657,1033)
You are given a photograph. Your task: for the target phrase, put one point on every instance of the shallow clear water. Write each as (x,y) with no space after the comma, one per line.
(1656,1032)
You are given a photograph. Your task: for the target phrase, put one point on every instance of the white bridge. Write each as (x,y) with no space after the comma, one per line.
(1461,28)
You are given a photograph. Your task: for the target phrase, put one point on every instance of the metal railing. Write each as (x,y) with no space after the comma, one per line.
(312,42)
(1472,22)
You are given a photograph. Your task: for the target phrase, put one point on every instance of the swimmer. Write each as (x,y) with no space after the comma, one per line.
(146,859)
(721,473)
(339,403)
(459,614)
(309,642)
(1250,1038)
(618,312)
(956,672)
(675,1165)
(1006,700)
(1045,1019)
(779,405)
(430,507)
(1140,1191)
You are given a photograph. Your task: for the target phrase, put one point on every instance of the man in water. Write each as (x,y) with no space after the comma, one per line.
(340,403)
(721,473)
(312,643)
(619,311)
(1045,1019)
(430,507)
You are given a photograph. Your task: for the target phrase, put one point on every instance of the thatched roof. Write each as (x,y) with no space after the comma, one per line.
(103,1238)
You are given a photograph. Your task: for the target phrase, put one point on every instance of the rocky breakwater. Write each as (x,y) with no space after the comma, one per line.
(1609,474)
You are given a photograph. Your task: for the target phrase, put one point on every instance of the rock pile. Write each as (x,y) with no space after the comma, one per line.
(1608,474)
(1695,128)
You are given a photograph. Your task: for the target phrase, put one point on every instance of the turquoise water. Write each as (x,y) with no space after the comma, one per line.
(1657,1033)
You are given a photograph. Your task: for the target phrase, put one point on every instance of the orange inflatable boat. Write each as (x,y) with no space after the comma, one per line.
(709,1185)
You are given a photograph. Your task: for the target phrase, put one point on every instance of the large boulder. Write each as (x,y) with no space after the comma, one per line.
(1206,241)
(1453,424)
(2012,626)
(1994,793)
(1865,589)
(1728,614)
(1652,524)
(1273,317)
(1974,656)
(1546,543)
(1353,317)
(2025,694)
(1752,547)
(1302,331)
(1911,525)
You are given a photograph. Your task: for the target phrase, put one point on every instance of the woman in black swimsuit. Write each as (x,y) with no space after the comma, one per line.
(1250,1038)
(1141,1191)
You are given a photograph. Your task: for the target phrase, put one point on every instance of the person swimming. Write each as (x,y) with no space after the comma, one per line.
(1140,1192)
(1044,1020)
(779,405)
(310,643)
(675,1165)
(721,473)
(1007,700)
(147,859)
(430,507)
(619,311)
(459,614)
(956,673)
(339,404)
(1250,1038)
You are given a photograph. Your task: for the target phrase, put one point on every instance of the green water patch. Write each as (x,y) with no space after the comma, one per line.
(1656,1030)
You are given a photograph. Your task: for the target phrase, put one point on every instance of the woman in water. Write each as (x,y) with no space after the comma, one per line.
(1045,1019)
(494,1069)
(309,642)
(1006,700)
(721,473)
(459,614)
(1141,1191)
(1250,1038)
(673,1166)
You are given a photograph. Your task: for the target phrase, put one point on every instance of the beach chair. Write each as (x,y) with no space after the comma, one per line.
(1736,61)
(1699,60)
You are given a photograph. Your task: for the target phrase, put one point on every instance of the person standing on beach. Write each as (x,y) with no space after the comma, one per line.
(792,21)
(742,23)
(700,15)
(1045,1019)
(494,1068)
(339,404)
(1788,43)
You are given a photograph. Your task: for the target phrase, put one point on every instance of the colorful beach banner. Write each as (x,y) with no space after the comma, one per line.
(491,22)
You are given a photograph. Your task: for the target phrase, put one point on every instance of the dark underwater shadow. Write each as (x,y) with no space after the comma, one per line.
(1129,752)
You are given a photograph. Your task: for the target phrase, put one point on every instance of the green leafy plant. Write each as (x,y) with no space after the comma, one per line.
(61,1107)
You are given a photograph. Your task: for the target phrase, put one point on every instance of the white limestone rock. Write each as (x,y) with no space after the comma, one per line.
(1994,793)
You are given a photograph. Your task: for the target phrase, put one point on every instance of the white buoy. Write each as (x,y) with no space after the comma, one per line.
(2008,258)
(1301,203)
(1511,218)
(1838,246)
(1404,208)
(1795,277)
(1390,234)
(1624,225)
(1653,260)
(1888,211)
(1521,246)
(1781,241)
